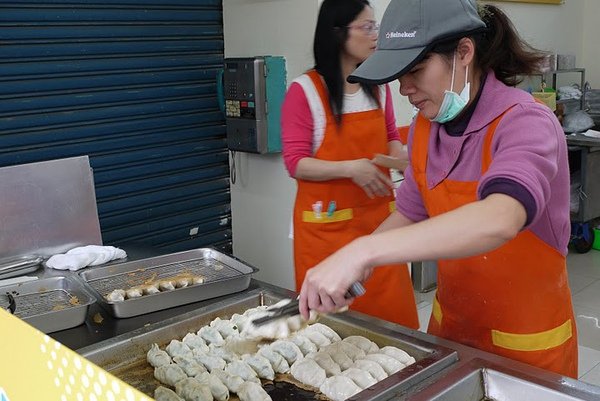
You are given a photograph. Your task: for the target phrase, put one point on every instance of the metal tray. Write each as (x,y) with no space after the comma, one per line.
(50,304)
(125,355)
(483,380)
(223,275)
(19,265)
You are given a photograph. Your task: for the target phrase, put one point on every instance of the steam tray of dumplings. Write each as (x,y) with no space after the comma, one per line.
(147,285)
(203,355)
(50,304)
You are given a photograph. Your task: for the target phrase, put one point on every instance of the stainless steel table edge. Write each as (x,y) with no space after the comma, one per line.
(518,371)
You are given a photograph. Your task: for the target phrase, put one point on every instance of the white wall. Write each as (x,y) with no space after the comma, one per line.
(262,198)
(591,37)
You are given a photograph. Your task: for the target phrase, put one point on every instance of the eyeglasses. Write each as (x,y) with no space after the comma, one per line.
(369,28)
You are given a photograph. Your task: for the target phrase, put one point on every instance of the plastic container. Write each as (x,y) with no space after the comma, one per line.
(596,244)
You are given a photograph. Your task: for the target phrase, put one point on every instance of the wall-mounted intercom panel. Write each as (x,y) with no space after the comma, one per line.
(253,90)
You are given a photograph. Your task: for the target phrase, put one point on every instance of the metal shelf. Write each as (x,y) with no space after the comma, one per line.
(554,74)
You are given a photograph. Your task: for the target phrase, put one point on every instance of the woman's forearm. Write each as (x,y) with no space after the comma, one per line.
(395,220)
(469,230)
(312,169)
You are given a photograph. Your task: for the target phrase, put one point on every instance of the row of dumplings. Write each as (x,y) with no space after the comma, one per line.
(119,294)
(203,366)
(347,367)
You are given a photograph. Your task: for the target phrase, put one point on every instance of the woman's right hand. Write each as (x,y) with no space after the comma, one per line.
(369,177)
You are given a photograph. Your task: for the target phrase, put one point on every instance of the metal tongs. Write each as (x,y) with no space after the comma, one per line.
(292,308)
(12,304)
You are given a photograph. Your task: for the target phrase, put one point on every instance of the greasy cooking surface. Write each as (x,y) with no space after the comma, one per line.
(50,304)
(47,301)
(140,375)
(126,356)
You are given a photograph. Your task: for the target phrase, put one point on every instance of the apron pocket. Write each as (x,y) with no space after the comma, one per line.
(536,341)
(337,216)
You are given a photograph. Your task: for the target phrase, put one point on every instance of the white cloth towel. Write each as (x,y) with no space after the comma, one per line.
(592,133)
(90,255)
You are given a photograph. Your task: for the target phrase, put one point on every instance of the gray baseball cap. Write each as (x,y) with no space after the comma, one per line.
(409,30)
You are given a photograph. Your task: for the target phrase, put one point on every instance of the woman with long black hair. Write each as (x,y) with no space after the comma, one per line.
(331,131)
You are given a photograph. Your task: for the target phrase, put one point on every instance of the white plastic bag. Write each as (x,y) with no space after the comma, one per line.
(577,122)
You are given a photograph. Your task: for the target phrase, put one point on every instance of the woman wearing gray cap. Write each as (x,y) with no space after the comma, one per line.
(486,193)
(331,130)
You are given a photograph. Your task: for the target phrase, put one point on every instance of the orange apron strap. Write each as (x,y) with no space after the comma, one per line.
(420,144)
(403,134)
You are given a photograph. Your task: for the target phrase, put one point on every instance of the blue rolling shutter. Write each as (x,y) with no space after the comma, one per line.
(131,83)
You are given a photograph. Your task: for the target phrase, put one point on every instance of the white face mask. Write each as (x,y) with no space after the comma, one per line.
(453,103)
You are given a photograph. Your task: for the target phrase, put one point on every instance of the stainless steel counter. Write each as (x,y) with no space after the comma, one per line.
(474,375)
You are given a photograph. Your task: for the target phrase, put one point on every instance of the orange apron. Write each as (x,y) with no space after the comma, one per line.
(514,301)
(361,135)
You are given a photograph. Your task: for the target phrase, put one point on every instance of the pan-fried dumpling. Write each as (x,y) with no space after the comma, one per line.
(169,374)
(243,370)
(221,352)
(389,364)
(134,292)
(250,391)
(288,350)
(239,320)
(278,362)
(117,295)
(323,359)
(157,357)
(182,282)
(211,336)
(339,388)
(362,378)
(305,345)
(315,337)
(189,365)
(210,362)
(351,350)
(249,312)
(326,331)
(219,391)
(296,323)
(398,354)
(164,394)
(192,390)
(308,372)
(372,367)
(363,343)
(275,329)
(232,382)
(150,289)
(338,355)
(166,285)
(177,348)
(194,341)
(260,365)
(225,327)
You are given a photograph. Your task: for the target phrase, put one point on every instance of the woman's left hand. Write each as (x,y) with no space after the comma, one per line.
(326,285)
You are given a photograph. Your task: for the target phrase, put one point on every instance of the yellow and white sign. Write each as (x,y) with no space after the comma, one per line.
(35,367)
